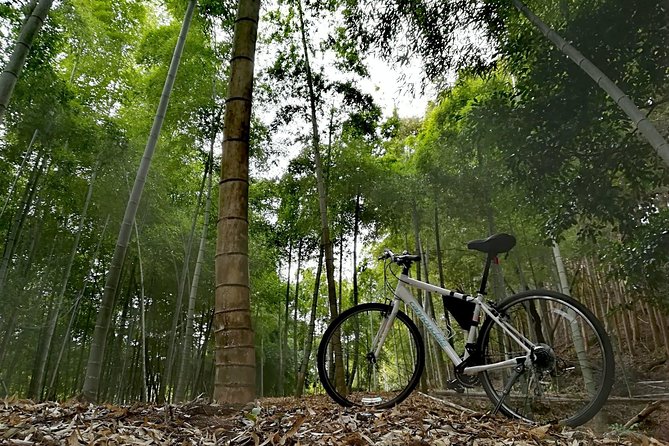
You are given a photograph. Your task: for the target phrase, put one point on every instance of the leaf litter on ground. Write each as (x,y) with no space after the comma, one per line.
(420,420)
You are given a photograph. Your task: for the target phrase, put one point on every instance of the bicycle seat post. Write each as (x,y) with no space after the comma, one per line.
(486,272)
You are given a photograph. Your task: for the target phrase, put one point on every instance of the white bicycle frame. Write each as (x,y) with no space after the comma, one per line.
(402,294)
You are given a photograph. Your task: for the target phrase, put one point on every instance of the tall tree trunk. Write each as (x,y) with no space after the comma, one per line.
(142,321)
(45,345)
(179,391)
(440,268)
(438,363)
(640,120)
(356,232)
(96,356)
(73,316)
(575,331)
(341,269)
(18,221)
(297,301)
(419,250)
(322,201)
(235,350)
(309,340)
(18,58)
(283,331)
(202,354)
(181,287)
(340,382)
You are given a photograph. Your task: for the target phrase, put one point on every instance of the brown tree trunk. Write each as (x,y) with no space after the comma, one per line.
(235,351)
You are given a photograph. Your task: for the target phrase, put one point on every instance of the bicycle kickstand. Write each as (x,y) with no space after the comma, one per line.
(517,371)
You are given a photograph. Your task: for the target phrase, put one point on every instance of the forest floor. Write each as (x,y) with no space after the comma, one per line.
(421,420)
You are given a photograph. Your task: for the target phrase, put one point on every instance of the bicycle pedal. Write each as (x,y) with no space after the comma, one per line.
(454,384)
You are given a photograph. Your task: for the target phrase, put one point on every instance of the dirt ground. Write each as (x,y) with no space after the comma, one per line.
(421,420)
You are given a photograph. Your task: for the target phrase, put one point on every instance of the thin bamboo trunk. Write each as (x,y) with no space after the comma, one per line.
(75,308)
(623,101)
(181,286)
(261,390)
(440,268)
(356,232)
(202,353)
(179,392)
(96,356)
(309,341)
(142,321)
(425,378)
(340,382)
(283,341)
(341,270)
(45,346)
(296,305)
(18,221)
(17,60)
(19,172)
(575,331)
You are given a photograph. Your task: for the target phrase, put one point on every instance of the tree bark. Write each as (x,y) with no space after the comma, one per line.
(17,60)
(96,355)
(235,350)
(623,101)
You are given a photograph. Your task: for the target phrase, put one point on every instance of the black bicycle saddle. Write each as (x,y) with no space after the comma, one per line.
(495,244)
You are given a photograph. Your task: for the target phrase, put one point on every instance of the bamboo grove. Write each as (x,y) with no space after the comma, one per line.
(107,275)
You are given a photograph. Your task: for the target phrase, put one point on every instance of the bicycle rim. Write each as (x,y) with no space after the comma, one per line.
(365,380)
(570,378)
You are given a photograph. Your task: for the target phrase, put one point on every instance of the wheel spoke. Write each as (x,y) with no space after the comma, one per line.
(382,380)
(568,380)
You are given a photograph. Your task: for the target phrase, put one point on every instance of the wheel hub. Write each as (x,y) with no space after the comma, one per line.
(543,358)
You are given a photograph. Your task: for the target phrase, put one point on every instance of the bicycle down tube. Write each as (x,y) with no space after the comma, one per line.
(404,295)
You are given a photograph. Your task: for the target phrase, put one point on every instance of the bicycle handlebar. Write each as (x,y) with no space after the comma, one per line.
(405,259)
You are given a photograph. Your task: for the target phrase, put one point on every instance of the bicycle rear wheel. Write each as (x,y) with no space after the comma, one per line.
(365,380)
(570,376)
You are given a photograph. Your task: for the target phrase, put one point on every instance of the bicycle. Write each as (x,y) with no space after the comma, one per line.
(539,355)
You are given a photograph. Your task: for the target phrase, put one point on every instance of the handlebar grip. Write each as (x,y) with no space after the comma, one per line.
(413,258)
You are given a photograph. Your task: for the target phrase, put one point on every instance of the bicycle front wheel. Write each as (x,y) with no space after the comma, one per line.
(571,373)
(350,371)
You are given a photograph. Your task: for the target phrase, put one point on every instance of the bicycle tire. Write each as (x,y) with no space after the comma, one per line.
(568,383)
(374,384)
